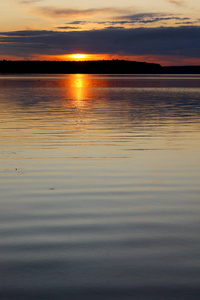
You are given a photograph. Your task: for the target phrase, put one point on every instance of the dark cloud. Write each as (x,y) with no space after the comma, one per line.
(27,33)
(137,17)
(67,27)
(186,23)
(145,18)
(154,20)
(77,22)
(181,40)
(148,18)
(114,27)
(146,21)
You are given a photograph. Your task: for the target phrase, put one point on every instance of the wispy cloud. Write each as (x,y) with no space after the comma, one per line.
(146,18)
(29,1)
(55,12)
(177,2)
(66,12)
(76,22)
(135,19)
(27,33)
(67,27)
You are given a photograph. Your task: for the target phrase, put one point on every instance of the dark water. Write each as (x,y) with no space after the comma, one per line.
(99,187)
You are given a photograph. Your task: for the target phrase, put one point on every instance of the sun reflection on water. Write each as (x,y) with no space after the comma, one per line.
(78,89)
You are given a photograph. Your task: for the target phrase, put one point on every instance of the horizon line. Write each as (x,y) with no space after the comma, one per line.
(99,60)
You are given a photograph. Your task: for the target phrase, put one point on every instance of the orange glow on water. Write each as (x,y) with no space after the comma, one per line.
(79,89)
(79,81)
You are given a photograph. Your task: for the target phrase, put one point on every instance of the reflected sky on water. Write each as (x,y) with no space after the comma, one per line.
(99,187)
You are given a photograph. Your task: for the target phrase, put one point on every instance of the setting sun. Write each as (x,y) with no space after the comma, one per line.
(86,57)
(79,56)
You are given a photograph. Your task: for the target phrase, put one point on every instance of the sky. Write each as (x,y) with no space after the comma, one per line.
(158,31)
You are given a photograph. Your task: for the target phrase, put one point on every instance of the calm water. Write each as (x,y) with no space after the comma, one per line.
(99,187)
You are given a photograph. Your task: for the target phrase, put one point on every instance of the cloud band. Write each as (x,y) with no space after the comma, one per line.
(181,40)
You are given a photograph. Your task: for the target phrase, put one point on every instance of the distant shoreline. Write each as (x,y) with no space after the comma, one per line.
(92,67)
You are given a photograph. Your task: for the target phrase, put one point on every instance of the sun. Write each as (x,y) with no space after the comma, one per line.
(76,57)
(79,56)
(84,57)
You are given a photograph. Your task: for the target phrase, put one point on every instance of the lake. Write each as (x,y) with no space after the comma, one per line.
(100,187)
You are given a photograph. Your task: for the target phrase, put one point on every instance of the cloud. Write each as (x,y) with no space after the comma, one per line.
(54,12)
(146,21)
(27,33)
(28,1)
(148,18)
(114,27)
(171,41)
(145,18)
(67,27)
(136,17)
(177,2)
(76,22)
(186,23)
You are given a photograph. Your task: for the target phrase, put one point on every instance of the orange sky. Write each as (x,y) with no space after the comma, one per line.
(160,31)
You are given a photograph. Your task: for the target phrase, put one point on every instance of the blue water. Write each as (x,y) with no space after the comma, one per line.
(99,187)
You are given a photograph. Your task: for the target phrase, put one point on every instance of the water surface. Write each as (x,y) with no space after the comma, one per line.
(99,181)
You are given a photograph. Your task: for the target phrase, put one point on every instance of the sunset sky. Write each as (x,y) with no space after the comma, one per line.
(160,31)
